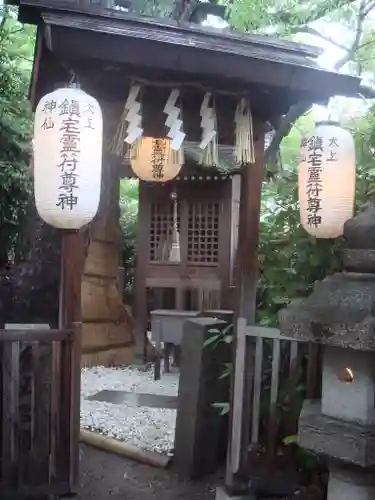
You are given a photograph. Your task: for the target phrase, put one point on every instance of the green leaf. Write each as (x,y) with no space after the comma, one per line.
(223,407)
(288,440)
(211,340)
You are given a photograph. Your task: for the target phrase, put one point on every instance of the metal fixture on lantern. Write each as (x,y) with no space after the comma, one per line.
(68,137)
(327,176)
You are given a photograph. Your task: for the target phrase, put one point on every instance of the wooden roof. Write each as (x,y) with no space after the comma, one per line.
(77,30)
(192,50)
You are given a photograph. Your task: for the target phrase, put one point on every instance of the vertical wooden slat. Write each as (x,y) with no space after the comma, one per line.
(201,301)
(10,417)
(292,413)
(293,354)
(75,344)
(55,410)
(63,448)
(238,388)
(275,371)
(257,391)
(41,429)
(272,427)
(180,298)
(158,335)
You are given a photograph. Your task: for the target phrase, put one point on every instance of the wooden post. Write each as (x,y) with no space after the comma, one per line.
(73,253)
(246,285)
(140,296)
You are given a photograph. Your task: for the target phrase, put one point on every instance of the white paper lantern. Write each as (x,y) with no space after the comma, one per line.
(68,141)
(327,177)
(154,159)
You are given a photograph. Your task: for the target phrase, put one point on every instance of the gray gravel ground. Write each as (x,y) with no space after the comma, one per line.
(105,475)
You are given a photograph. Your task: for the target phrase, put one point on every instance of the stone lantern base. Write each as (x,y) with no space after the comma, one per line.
(338,439)
(349,483)
(340,315)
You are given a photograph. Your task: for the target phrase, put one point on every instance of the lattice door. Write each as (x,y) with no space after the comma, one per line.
(203,232)
(161,230)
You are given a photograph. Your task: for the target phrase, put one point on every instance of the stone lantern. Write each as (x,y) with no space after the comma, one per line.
(340,314)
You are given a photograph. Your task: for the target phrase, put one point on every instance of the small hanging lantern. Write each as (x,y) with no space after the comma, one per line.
(327,176)
(154,160)
(68,135)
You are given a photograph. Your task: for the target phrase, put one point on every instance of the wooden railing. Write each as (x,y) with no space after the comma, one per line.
(264,353)
(39,412)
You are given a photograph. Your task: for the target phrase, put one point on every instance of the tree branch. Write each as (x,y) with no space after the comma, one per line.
(288,16)
(362,45)
(5,13)
(314,32)
(368,7)
(297,110)
(284,126)
(188,7)
(358,34)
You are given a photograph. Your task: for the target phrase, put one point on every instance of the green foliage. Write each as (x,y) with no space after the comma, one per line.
(283,17)
(128,223)
(291,261)
(222,407)
(16,49)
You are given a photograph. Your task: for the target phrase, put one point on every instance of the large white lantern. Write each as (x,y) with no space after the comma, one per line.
(68,139)
(154,159)
(327,176)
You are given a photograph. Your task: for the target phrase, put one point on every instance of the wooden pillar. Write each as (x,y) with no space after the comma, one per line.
(140,295)
(246,285)
(73,252)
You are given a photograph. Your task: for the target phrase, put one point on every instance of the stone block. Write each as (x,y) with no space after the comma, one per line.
(353,401)
(349,483)
(223,314)
(350,442)
(199,424)
(337,313)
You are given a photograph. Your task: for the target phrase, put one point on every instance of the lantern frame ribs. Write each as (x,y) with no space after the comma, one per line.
(326,178)
(67,158)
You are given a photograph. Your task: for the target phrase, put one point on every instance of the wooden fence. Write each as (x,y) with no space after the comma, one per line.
(282,371)
(39,412)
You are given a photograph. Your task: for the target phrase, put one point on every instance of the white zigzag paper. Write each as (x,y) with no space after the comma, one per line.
(207,122)
(133,116)
(173,122)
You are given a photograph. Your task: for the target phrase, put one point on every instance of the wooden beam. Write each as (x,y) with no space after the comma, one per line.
(73,254)
(246,285)
(248,237)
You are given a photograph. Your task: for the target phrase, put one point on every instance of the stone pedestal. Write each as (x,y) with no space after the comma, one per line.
(349,484)
(340,314)
(199,428)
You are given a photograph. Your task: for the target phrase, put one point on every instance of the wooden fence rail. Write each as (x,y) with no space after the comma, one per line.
(38,395)
(263,348)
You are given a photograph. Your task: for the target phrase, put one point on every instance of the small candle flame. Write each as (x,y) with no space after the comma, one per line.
(346,375)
